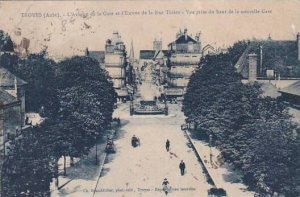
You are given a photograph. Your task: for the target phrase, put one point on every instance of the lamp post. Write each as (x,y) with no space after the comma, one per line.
(96,152)
(3,128)
(210,150)
(3,139)
(260,63)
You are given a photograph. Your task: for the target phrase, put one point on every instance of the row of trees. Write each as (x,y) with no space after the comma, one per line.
(76,96)
(254,133)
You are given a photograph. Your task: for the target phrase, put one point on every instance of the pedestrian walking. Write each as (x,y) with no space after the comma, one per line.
(182,167)
(119,122)
(168,145)
(165,185)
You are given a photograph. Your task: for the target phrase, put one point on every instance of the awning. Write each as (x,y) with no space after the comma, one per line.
(174,92)
(122,92)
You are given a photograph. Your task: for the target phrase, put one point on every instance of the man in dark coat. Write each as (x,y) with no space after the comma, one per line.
(168,145)
(182,167)
(135,141)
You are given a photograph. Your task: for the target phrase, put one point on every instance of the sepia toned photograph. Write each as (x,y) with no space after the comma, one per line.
(150,98)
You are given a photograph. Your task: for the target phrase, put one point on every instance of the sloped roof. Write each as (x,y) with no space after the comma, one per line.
(165,53)
(7,79)
(147,54)
(292,89)
(208,46)
(184,40)
(285,50)
(242,63)
(98,55)
(6,98)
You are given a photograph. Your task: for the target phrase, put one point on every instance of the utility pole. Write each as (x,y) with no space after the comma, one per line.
(96,152)
(2,119)
(3,139)
(210,150)
(261,58)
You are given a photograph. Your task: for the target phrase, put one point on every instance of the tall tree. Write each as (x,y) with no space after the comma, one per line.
(86,98)
(6,43)
(254,133)
(28,168)
(39,72)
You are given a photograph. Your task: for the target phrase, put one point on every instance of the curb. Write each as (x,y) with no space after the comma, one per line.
(207,175)
(101,168)
(103,162)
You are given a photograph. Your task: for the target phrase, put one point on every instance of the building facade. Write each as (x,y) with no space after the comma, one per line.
(185,55)
(115,60)
(10,118)
(15,87)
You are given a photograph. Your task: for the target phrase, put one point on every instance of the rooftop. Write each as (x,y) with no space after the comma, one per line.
(6,98)
(147,54)
(98,55)
(184,39)
(276,54)
(292,89)
(7,79)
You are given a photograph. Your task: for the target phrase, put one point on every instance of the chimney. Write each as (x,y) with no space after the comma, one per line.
(16,87)
(252,60)
(197,37)
(185,33)
(298,45)
(87,53)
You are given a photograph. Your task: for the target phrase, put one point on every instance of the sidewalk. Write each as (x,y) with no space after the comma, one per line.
(221,174)
(82,177)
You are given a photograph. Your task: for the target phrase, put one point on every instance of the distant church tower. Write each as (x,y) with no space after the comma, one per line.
(157,45)
(131,53)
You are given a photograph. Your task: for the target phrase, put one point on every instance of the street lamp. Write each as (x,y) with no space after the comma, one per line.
(210,150)
(260,63)
(3,127)
(96,152)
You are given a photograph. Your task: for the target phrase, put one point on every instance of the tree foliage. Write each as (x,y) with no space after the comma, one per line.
(76,96)
(6,43)
(28,167)
(254,133)
(86,99)
(39,72)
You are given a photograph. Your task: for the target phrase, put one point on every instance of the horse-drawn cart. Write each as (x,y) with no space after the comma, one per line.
(110,146)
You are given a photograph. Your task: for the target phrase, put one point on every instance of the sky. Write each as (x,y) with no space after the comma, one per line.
(82,24)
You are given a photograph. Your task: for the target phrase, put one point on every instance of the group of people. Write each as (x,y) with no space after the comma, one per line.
(135,141)
(165,183)
(182,164)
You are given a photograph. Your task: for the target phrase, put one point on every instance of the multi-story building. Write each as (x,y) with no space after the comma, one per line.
(10,118)
(12,110)
(115,63)
(15,87)
(185,54)
(115,60)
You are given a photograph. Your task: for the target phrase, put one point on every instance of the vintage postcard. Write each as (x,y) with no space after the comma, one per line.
(131,98)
